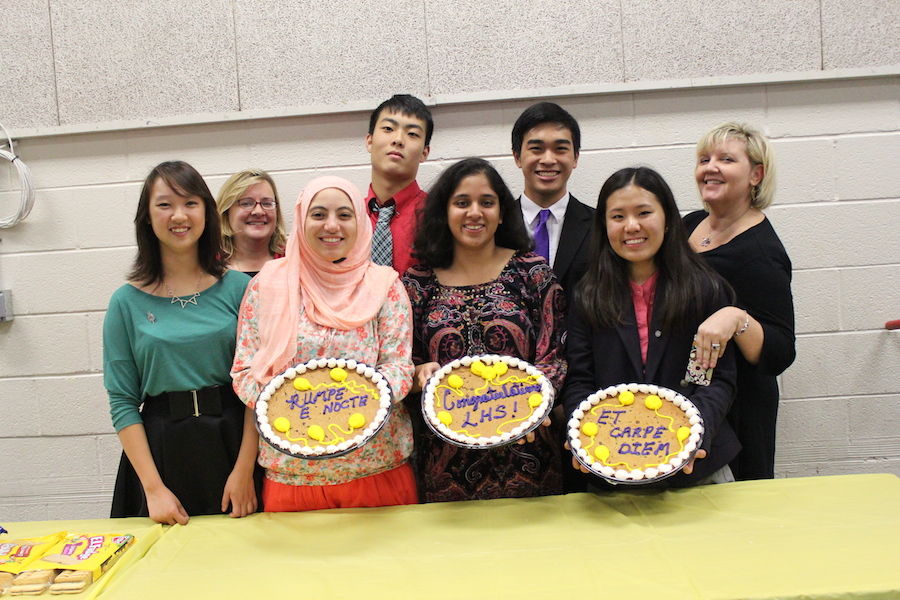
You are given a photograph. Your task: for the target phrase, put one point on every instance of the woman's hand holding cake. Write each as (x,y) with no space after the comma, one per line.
(478,290)
(424,372)
(325,302)
(634,320)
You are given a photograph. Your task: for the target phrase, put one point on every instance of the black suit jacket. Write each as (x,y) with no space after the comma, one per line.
(573,252)
(610,356)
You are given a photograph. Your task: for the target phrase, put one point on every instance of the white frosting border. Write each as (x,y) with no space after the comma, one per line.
(537,417)
(636,475)
(294,449)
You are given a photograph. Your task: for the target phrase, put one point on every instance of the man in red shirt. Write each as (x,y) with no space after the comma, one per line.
(398,140)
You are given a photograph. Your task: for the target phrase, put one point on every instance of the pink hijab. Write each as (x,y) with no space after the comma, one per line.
(340,295)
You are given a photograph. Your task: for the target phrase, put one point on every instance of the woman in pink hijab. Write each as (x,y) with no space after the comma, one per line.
(326,299)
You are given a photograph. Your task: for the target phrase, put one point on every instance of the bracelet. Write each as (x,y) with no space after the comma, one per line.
(746,324)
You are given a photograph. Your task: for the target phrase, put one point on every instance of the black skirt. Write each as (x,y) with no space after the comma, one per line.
(194,457)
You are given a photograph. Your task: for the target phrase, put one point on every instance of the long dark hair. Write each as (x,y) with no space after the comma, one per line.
(433,244)
(603,296)
(184,181)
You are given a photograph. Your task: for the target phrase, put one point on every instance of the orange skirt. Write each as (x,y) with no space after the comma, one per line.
(391,488)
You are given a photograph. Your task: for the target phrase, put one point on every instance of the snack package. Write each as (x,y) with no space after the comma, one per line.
(72,564)
(31,582)
(18,555)
(71,582)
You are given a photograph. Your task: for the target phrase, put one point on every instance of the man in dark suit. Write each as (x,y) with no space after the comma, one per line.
(546,141)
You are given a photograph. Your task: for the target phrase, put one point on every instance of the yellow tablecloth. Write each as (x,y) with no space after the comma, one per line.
(824,537)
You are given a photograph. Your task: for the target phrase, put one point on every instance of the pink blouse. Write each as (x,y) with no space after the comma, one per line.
(642,295)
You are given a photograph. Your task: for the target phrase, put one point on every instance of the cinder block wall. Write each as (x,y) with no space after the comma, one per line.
(82,108)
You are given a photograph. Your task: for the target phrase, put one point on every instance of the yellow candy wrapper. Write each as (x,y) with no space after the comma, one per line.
(17,555)
(94,553)
(70,565)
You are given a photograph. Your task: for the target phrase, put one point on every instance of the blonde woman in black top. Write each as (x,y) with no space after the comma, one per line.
(735,174)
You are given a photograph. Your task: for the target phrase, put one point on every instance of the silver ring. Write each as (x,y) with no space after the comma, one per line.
(715,346)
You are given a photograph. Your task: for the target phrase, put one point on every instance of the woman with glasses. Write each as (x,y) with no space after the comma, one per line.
(252,226)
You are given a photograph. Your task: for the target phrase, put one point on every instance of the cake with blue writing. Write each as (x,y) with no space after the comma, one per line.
(323,408)
(635,433)
(486,401)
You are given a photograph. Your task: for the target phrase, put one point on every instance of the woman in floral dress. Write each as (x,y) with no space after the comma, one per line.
(325,298)
(481,291)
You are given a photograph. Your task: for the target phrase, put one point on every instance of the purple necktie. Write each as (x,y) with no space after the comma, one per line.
(541,237)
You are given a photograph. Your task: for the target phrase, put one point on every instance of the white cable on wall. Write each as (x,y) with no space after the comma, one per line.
(26,199)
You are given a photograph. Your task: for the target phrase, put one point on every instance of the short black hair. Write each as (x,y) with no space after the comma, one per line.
(406,105)
(538,114)
(433,244)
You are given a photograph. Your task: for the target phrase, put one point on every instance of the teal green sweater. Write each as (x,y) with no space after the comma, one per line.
(151,345)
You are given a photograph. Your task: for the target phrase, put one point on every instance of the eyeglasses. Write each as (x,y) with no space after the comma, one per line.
(248,204)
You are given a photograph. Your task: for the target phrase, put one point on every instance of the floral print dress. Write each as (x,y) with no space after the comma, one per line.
(384,342)
(518,314)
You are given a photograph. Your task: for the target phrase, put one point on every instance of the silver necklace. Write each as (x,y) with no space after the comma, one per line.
(184,301)
(708,239)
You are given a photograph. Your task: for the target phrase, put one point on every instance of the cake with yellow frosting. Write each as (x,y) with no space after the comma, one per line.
(323,408)
(636,433)
(485,401)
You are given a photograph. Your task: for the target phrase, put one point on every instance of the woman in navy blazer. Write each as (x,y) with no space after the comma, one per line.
(638,307)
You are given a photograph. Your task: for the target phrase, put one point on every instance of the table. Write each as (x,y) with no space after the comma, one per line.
(821,537)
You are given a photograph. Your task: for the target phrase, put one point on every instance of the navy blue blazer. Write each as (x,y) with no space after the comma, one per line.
(610,356)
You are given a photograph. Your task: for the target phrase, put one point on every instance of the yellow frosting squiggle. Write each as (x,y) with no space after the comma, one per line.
(669,427)
(495,380)
(336,438)
(352,386)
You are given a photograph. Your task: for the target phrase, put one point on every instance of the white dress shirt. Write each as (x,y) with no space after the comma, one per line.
(531,213)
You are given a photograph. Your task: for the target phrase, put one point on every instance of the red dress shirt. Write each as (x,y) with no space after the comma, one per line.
(408,201)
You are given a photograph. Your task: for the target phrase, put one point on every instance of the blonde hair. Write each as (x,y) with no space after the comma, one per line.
(759,151)
(231,191)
